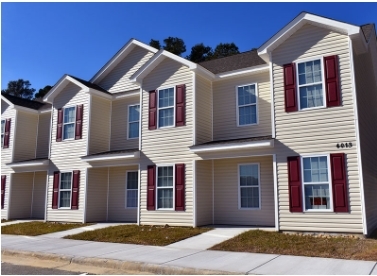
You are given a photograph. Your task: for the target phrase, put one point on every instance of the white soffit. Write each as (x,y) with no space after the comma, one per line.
(32,163)
(110,157)
(233,146)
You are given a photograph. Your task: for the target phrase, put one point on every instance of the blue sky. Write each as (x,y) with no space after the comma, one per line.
(41,42)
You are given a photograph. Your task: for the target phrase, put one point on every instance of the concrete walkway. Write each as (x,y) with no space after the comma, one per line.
(176,260)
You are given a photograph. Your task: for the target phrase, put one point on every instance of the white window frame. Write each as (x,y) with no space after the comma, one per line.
(239,187)
(137,189)
(321,59)
(319,183)
(130,122)
(158,106)
(2,133)
(256,105)
(74,124)
(173,187)
(65,190)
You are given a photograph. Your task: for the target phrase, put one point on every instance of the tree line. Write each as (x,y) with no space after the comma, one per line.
(199,53)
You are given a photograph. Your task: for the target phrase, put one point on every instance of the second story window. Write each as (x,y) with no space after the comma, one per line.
(310,84)
(166,107)
(246,105)
(2,132)
(133,121)
(69,123)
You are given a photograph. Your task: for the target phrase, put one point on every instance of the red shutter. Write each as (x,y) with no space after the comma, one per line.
(290,94)
(153,109)
(180,187)
(332,81)
(151,192)
(75,190)
(294,183)
(339,182)
(79,114)
(3,180)
(55,191)
(59,126)
(6,133)
(180,105)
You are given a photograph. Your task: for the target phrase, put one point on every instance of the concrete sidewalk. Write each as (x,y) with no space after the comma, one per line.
(174,260)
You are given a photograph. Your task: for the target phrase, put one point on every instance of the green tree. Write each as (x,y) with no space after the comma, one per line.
(19,88)
(225,50)
(42,92)
(174,45)
(155,43)
(200,53)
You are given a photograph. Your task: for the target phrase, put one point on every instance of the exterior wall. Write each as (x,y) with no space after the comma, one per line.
(225,108)
(6,154)
(119,124)
(21,195)
(316,131)
(100,112)
(167,145)
(26,138)
(117,195)
(118,80)
(39,195)
(203,109)
(226,190)
(65,155)
(96,205)
(366,90)
(43,140)
(204,193)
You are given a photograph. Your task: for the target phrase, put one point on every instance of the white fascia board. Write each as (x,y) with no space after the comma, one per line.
(59,87)
(250,70)
(205,73)
(29,163)
(235,146)
(135,154)
(130,45)
(299,21)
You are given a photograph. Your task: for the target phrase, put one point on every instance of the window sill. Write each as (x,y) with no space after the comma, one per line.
(319,211)
(165,209)
(64,208)
(313,108)
(254,124)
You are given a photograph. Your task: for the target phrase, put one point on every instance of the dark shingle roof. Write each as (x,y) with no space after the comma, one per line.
(112,152)
(90,85)
(26,103)
(235,62)
(367,31)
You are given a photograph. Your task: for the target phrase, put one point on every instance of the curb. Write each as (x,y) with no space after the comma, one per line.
(114,264)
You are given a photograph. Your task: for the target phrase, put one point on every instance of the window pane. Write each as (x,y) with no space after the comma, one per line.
(311,96)
(247,115)
(69,114)
(132,198)
(249,175)
(65,199)
(2,126)
(166,97)
(317,197)
(133,130)
(250,197)
(315,169)
(241,98)
(65,180)
(132,180)
(165,117)
(165,177)
(69,131)
(309,72)
(165,198)
(134,113)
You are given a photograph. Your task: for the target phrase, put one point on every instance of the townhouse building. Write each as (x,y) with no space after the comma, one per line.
(282,136)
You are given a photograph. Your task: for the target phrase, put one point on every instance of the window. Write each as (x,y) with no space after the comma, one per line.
(249,186)
(2,132)
(310,85)
(316,182)
(65,190)
(133,121)
(246,105)
(165,187)
(166,107)
(131,193)
(69,123)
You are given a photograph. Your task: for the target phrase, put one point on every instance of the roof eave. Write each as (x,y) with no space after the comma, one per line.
(233,146)
(135,154)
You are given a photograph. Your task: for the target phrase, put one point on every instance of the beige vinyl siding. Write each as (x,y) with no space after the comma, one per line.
(204,193)
(44,124)
(225,108)
(366,90)
(26,137)
(118,80)
(96,205)
(6,154)
(226,189)
(203,109)
(21,195)
(117,195)
(39,195)
(99,138)
(65,155)
(316,131)
(119,124)
(167,145)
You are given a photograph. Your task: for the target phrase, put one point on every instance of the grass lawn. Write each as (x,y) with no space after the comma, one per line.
(145,235)
(36,228)
(258,241)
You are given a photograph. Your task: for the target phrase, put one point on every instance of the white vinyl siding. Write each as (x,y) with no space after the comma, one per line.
(203,109)
(43,141)
(316,131)
(26,136)
(204,192)
(97,192)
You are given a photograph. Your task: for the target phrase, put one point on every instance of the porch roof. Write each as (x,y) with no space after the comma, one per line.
(29,163)
(112,155)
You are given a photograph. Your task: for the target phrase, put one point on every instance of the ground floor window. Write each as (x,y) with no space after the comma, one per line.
(165,187)
(249,186)
(132,189)
(65,190)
